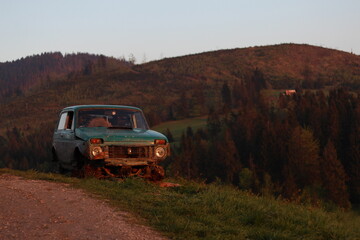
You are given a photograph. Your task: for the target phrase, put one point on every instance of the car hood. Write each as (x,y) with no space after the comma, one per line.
(118,135)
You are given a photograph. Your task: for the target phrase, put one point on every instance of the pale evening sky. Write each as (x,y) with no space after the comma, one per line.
(156,29)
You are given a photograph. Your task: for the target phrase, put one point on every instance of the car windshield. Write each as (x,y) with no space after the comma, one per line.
(111,118)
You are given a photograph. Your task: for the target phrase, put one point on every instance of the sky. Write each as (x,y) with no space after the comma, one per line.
(156,29)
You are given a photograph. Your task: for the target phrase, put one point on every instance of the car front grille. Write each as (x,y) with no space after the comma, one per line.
(130,152)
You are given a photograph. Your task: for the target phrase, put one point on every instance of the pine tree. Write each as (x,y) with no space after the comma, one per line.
(169,135)
(290,188)
(334,177)
(354,174)
(171,113)
(228,157)
(304,157)
(213,123)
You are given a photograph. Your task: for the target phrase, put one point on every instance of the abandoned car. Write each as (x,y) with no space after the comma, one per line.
(108,141)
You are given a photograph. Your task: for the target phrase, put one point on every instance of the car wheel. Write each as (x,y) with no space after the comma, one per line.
(58,167)
(80,163)
(61,169)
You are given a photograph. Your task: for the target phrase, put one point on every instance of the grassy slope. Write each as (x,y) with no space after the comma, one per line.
(195,210)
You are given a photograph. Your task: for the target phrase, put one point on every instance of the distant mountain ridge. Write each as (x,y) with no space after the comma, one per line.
(284,65)
(21,75)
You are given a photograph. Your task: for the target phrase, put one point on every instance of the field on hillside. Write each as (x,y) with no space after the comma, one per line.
(198,211)
(177,128)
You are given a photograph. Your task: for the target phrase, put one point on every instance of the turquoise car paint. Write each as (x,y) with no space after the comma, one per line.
(133,145)
(118,135)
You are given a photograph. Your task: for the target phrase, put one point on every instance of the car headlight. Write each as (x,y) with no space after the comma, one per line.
(160,152)
(96,151)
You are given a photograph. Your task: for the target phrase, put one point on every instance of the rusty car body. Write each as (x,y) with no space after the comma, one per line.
(108,141)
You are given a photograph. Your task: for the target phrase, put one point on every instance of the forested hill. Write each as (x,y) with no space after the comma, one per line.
(284,65)
(20,76)
(167,89)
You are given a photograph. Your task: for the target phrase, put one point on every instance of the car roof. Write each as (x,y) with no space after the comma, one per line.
(76,107)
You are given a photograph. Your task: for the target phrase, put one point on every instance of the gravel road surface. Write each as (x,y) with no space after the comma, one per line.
(35,209)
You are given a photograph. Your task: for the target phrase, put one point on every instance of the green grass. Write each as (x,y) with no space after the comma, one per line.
(180,126)
(199,211)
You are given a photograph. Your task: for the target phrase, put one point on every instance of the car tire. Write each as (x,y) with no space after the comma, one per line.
(58,167)
(79,164)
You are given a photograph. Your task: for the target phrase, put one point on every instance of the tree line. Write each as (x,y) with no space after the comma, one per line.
(304,147)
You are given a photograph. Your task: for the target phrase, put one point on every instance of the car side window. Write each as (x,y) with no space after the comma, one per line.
(139,121)
(62,121)
(66,121)
(69,120)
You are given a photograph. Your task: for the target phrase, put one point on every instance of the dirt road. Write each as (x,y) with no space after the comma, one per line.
(34,209)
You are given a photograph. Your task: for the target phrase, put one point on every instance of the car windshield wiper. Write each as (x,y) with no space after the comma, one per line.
(120,127)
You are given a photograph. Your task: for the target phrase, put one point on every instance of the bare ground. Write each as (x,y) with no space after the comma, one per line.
(35,209)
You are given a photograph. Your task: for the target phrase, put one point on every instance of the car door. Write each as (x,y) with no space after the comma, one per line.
(64,137)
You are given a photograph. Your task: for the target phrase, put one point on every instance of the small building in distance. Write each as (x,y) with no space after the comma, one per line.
(289,92)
